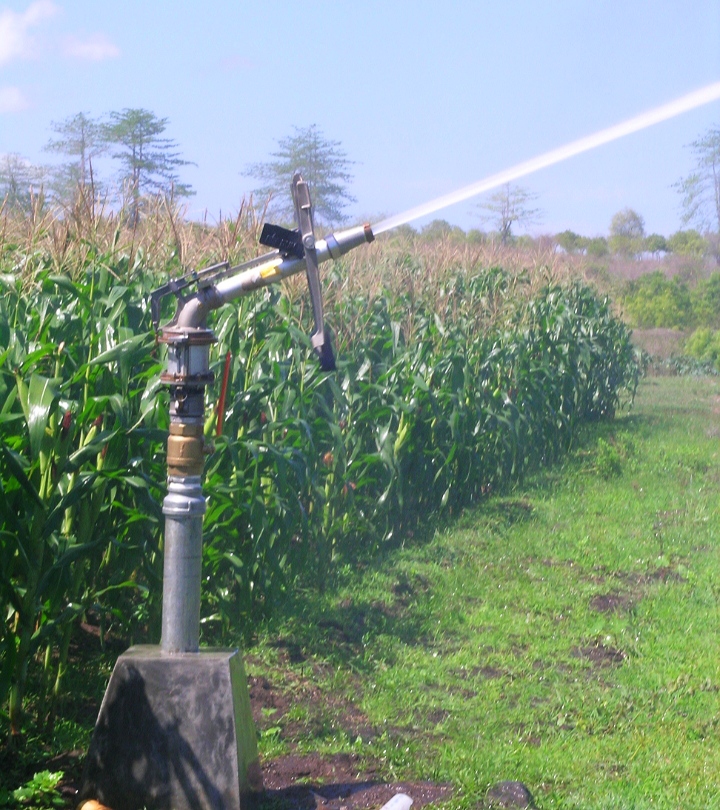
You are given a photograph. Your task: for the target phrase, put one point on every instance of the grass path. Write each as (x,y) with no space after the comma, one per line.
(565,635)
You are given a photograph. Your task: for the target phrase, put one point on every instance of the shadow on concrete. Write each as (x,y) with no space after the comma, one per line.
(134,758)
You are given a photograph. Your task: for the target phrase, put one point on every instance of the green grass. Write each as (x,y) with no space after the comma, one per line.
(565,635)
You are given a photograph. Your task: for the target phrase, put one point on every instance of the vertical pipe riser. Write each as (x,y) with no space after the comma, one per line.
(183,508)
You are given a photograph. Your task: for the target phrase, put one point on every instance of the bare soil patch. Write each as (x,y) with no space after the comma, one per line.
(611,602)
(342,781)
(307,781)
(599,655)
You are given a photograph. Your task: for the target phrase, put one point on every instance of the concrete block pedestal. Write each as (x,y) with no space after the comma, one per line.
(174,732)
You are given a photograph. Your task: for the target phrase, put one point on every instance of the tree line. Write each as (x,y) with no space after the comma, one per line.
(149,164)
(627,238)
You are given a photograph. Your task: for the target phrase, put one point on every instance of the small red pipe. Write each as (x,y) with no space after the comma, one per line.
(223,392)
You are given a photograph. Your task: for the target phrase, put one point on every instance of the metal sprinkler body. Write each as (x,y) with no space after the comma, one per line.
(175,726)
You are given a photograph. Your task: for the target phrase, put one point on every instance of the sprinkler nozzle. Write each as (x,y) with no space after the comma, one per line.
(340,243)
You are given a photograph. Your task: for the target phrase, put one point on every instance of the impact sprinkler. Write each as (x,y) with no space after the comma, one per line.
(175,728)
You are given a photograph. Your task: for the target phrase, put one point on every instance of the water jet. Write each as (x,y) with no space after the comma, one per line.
(639,122)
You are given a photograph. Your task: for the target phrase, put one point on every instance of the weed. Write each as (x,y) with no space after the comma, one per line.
(38,792)
(609,462)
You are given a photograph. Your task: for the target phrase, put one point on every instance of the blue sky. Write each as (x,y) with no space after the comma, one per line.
(425,96)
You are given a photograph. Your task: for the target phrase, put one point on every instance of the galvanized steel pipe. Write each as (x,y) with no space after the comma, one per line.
(183,507)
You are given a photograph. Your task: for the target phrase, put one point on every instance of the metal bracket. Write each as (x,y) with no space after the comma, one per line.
(174,286)
(288,242)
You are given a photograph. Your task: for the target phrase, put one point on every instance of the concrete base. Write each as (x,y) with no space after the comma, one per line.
(174,732)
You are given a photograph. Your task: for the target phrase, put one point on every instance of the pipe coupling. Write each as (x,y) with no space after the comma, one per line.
(184,498)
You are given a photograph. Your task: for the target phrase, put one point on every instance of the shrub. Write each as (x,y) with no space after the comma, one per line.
(597,247)
(704,345)
(706,301)
(653,300)
(687,243)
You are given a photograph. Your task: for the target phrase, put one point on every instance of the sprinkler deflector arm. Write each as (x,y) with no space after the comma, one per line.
(303,213)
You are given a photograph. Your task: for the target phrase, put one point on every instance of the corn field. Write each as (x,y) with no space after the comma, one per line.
(455,378)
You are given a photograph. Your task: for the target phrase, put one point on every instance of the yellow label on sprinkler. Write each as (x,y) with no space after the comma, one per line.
(271,271)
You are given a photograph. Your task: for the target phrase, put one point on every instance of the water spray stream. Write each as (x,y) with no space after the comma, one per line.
(647,119)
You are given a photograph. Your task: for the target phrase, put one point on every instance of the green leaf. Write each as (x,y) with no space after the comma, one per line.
(36,789)
(128,585)
(37,400)
(79,457)
(15,465)
(122,350)
(66,283)
(81,489)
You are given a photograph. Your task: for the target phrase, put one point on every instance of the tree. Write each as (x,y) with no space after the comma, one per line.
(655,243)
(20,181)
(687,243)
(442,229)
(701,189)
(323,164)
(149,162)
(507,206)
(476,237)
(597,247)
(81,138)
(627,232)
(571,242)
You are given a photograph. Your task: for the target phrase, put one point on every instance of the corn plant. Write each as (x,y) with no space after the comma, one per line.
(428,410)
(78,398)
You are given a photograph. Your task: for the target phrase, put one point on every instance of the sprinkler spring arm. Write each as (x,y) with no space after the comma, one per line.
(176,285)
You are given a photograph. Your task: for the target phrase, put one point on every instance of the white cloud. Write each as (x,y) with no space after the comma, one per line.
(93,48)
(15,29)
(12,100)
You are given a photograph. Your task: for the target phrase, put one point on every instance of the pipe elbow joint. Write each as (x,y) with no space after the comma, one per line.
(194,311)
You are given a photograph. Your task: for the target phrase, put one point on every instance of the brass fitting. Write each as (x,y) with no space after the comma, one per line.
(185,449)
